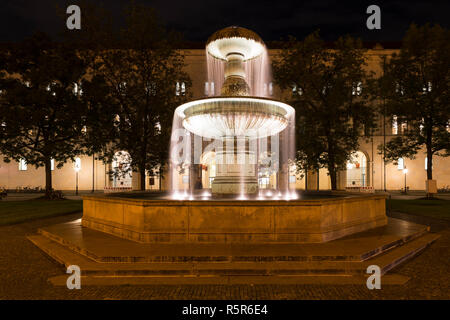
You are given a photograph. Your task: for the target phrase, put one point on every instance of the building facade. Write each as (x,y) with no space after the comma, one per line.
(367,168)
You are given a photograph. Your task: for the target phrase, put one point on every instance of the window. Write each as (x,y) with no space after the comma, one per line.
(180,88)
(77,164)
(206,88)
(271,89)
(297,90)
(394,125)
(400,164)
(52,164)
(427,88)
(158,127)
(404,126)
(22,165)
(357,88)
(122,87)
(399,89)
(77,89)
(398,126)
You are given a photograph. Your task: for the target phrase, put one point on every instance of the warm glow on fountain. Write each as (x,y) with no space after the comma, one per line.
(236,116)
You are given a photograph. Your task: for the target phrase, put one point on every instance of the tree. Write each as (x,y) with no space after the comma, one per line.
(143,81)
(41,114)
(331,100)
(415,87)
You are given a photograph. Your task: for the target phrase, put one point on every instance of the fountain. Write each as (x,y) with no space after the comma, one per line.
(247,132)
(241,121)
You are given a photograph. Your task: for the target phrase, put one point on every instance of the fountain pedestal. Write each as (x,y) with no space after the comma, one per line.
(236,177)
(236,171)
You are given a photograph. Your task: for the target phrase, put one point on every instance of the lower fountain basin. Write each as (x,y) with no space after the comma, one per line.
(233,221)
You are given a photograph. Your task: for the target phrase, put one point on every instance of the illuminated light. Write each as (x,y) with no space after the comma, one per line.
(349,166)
(206,194)
(242,197)
(269,194)
(191,198)
(279,194)
(405,171)
(176,196)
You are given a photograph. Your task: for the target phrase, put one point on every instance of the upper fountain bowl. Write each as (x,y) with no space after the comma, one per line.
(235,40)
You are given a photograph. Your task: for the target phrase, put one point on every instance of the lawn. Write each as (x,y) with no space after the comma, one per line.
(439,209)
(19,211)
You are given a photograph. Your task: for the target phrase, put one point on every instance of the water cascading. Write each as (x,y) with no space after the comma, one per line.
(242,121)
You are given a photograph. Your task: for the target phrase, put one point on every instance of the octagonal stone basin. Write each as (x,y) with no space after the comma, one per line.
(295,221)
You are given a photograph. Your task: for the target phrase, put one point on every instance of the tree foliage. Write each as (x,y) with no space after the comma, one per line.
(41,114)
(415,87)
(331,99)
(135,92)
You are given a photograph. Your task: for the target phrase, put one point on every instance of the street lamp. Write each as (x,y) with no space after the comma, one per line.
(405,171)
(77,168)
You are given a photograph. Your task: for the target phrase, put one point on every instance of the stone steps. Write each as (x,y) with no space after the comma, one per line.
(218,253)
(386,261)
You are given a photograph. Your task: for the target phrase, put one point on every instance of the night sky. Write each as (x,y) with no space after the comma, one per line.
(273,20)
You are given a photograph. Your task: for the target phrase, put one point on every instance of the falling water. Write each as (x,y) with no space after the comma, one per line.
(258,73)
(258,76)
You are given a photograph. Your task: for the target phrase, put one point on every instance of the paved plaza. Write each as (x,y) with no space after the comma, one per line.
(25,270)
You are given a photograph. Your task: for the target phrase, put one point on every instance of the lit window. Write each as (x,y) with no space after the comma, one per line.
(404,126)
(357,89)
(211,87)
(399,89)
(427,88)
(52,164)
(206,88)
(77,89)
(394,125)
(401,164)
(271,89)
(122,87)
(77,164)
(297,90)
(22,165)
(180,88)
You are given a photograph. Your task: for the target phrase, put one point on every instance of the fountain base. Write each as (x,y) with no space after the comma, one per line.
(234,185)
(233,221)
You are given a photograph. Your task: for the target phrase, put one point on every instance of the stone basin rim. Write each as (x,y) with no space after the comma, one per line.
(239,203)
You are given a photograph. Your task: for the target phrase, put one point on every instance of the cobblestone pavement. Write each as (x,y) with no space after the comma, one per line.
(24,271)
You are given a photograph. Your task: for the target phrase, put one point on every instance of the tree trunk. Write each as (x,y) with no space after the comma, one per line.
(142,178)
(48,177)
(333,177)
(429,164)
